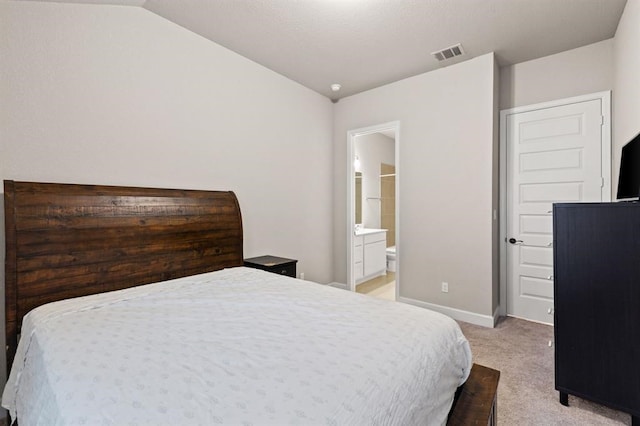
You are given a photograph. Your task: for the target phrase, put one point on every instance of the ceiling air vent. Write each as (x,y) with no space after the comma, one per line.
(448,53)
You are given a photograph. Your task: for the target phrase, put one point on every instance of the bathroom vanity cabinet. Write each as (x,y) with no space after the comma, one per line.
(369,254)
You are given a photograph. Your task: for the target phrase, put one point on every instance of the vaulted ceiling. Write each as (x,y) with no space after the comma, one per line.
(362,44)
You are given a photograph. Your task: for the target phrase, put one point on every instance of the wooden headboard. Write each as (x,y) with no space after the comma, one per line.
(67,241)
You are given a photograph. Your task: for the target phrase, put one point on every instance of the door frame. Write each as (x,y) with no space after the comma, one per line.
(605,99)
(351,189)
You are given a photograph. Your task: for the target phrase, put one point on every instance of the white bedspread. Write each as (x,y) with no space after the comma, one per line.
(238,346)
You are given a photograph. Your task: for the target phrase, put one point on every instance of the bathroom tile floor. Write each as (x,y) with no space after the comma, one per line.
(383,287)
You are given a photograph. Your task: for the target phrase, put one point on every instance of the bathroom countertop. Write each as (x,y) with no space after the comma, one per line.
(366,231)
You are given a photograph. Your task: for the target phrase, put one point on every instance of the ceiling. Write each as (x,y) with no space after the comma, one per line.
(362,44)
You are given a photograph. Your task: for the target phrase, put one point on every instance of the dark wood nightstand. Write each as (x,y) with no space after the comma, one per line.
(277,265)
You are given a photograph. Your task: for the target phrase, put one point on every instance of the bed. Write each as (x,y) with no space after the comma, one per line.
(134,307)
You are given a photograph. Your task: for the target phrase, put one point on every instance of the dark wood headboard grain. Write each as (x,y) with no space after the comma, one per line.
(67,241)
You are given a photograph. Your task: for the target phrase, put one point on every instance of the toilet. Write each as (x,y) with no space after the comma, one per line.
(391,259)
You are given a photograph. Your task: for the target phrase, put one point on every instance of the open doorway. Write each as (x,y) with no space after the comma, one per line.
(372,208)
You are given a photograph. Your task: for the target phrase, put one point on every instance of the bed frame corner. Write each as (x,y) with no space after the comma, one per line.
(475,402)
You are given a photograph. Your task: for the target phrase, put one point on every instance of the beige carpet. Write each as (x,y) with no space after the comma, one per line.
(526,394)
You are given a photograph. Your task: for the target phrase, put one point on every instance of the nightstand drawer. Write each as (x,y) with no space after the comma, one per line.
(289,270)
(277,265)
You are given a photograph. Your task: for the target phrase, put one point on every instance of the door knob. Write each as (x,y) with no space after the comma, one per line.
(514,241)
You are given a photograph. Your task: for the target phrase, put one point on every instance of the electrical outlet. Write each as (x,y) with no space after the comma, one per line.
(302,275)
(445,287)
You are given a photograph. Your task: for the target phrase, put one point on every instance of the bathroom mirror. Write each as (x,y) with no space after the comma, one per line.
(358,198)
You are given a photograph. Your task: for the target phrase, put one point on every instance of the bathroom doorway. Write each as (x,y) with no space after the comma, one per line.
(372,208)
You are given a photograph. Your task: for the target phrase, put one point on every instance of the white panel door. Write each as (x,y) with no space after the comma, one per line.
(553,155)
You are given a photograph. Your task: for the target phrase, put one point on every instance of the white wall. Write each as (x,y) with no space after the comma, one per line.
(117,95)
(580,71)
(373,150)
(446,163)
(626,93)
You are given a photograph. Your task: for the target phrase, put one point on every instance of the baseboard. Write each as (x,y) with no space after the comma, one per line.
(338,285)
(457,314)
(530,320)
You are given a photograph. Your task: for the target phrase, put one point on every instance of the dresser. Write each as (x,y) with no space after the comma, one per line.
(597,303)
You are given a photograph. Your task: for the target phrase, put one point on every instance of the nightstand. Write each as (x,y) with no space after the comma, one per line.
(277,265)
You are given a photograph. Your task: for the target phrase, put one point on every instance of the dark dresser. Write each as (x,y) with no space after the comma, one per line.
(277,265)
(597,303)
